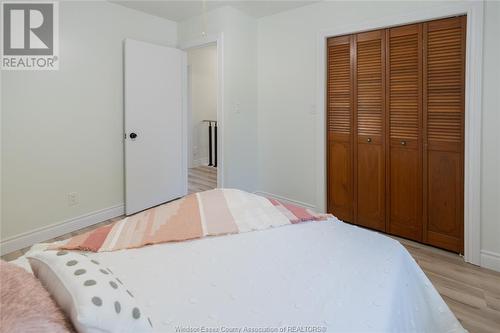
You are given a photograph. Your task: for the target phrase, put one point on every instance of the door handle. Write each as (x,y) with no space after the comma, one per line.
(133,135)
(403,143)
(369,140)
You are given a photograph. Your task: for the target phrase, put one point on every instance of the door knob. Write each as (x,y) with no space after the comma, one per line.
(369,140)
(133,135)
(403,143)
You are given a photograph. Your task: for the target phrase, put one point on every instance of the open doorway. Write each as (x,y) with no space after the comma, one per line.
(203,125)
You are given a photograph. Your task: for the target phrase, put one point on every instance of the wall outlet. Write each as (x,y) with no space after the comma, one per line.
(72,199)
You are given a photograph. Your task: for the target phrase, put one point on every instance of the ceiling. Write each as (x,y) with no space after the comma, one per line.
(181,10)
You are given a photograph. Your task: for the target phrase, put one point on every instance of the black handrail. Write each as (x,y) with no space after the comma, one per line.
(212,152)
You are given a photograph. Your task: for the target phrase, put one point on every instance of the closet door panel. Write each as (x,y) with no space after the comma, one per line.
(404,193)
(444,178)
(339,128)
(404,156)
(369,111)
(444,90)
(371,177)
(340,178)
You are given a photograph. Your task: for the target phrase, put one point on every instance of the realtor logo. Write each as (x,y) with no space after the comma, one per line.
(30,36)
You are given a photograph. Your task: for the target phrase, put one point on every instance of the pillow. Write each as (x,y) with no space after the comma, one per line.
(25,306)
(89,293)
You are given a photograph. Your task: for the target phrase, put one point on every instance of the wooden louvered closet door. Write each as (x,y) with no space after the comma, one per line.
(339,127)
(396,130)
(404,137)
(369,110)
(444,91)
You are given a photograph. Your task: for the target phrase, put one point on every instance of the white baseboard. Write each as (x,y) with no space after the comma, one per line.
(490,260)
(287,200)
(23,240)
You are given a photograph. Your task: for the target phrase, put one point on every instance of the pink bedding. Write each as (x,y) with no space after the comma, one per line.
(209,213)
(25,305)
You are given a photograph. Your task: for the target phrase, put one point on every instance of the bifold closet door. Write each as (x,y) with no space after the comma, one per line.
(444,90)
(404,155)
(339,127)
(369,111)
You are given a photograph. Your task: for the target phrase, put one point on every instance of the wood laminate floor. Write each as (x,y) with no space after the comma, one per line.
(471,292)
(202,178)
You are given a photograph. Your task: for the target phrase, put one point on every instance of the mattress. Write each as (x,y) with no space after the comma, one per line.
(309,277)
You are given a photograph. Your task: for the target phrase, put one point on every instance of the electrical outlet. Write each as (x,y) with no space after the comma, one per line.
(72,199)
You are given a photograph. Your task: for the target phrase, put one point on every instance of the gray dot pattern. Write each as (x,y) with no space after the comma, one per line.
(89,283)
(97,301)
(71,263)
(136,314)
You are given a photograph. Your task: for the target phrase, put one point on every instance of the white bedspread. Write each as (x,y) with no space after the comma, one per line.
(323,276)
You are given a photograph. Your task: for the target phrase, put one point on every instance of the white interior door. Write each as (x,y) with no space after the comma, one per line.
(155,125)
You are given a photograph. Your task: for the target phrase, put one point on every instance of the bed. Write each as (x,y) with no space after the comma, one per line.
(297,277)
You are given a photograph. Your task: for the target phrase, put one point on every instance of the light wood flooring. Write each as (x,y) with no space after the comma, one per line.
(202,178)
(471,292)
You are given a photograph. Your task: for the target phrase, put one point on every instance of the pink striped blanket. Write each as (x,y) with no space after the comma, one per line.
(209,213)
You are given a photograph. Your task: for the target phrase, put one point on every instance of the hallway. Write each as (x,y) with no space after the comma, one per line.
(202,178)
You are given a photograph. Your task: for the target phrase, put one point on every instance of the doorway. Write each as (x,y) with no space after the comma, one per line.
(203,124)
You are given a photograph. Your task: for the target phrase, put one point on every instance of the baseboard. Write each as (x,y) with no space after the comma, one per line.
(490,260)
(284,199)
(23,240)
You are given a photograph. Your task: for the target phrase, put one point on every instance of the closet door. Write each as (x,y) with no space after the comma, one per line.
(369,110)
(404,156)
(339,127)
(444,63)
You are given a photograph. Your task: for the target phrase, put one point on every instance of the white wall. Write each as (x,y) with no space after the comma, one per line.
(490,174)
(202,63)
(287,93)
(63,130)
(240,89)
